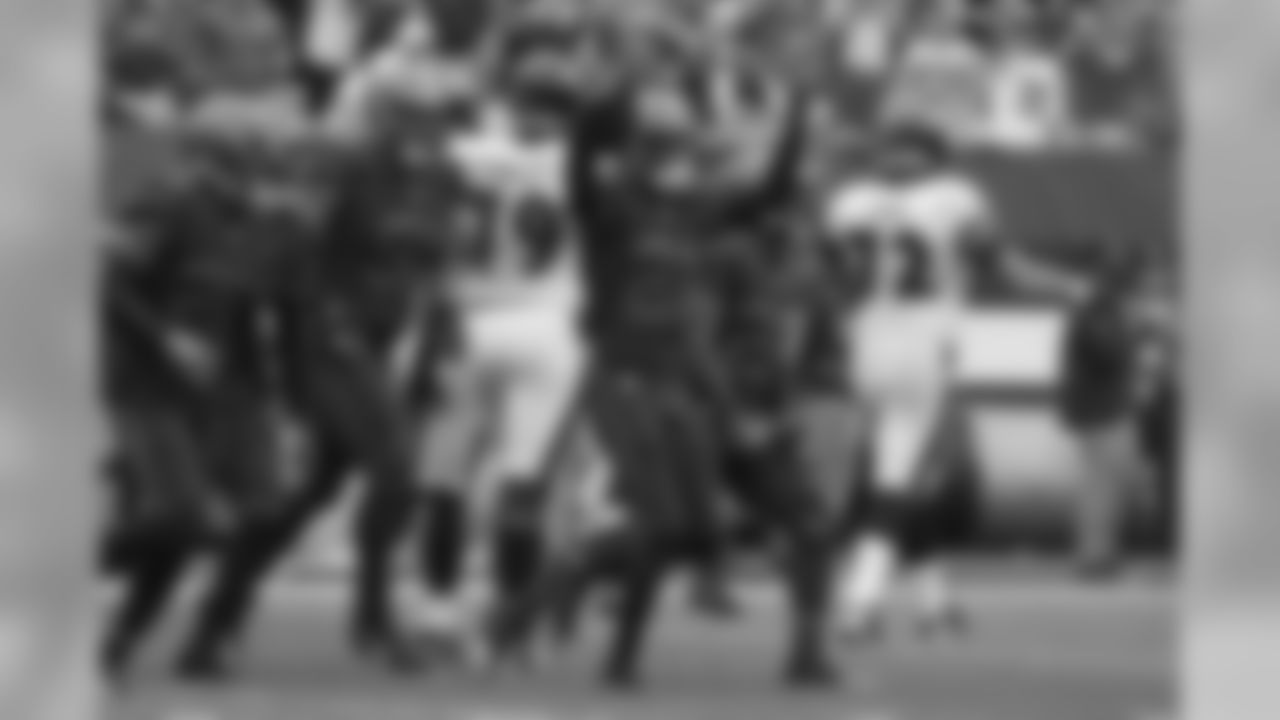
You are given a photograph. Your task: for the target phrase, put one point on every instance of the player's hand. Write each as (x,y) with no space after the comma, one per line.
(193,355)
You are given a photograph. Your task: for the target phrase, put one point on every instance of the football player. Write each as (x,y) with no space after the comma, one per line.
(516,294)
(919,236)
(649,206)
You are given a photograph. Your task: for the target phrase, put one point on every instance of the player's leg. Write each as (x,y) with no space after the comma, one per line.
(348,397)
(1160,445)
(619,408)
(641,565)
(670,475)
(165,473)
(900,437)
(451,440)
(152,545)
(697,452)
(938,525)
(774,489)
(582,509)
(377,436)
(150,575)
(442,560)
(541,394)
(1099,515)
(248,558)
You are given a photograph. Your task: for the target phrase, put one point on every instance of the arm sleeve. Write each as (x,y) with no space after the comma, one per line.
(599,127)
(779,182)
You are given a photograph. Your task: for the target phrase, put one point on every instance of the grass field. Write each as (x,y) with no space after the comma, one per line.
(1042,648)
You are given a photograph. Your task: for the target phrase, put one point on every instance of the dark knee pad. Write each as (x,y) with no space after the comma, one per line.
(445,540)
(518,542)
(891,514)
(520,505)
(318,84)
(383,515)
(914,524)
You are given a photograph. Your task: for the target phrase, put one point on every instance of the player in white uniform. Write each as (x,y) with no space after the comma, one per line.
(914,225)
(515,376)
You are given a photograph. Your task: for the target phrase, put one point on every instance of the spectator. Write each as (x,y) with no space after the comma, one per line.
(1120,71)
(1097,405)
(1160,426)
(941,76)
(1029,103)
(1159,411)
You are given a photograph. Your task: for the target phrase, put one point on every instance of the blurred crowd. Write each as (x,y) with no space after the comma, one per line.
(1018,75)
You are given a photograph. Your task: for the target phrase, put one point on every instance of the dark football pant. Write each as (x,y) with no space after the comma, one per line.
(175,460)
(770,482)
(1158,435)
(156,527)
(358,428)
(667,465)
(664,480)
(443,552)
(151,568)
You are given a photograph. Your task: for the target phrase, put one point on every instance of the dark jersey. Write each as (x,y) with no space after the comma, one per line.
(651,250)
(206,272)
(1099,366)
(351,293)
(135,297)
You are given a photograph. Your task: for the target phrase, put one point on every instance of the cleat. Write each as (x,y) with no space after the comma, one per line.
(388,650)
(203,667)
(717,603)
(811,673)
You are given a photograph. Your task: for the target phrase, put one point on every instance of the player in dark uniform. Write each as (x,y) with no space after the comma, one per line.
(187,359)
(647,214)
(164,503)
(338,301)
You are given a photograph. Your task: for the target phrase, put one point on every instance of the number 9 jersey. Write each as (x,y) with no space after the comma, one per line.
(517,293)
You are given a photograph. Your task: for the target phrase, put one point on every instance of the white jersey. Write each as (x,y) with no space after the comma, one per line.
(904,351)
(518,296)
(514,180)
(929,220)
(905,340)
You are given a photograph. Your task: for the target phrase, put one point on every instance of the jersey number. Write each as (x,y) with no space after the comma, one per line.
(894,264)
(526,231)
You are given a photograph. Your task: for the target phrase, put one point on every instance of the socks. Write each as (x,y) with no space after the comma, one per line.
(868,575)
(318,85)
(442,557)
(517,555)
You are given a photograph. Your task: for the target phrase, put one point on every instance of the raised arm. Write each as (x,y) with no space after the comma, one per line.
(767,175)
(995,257)
(597,131)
